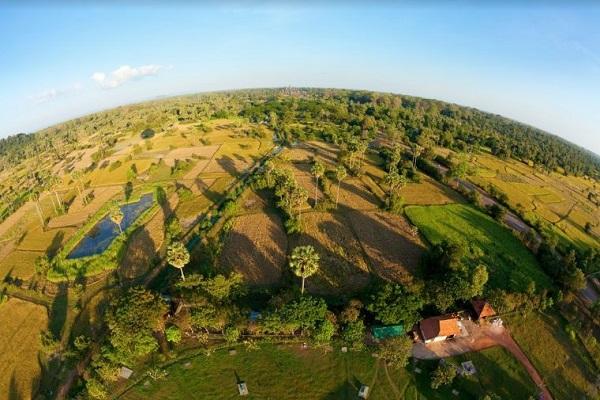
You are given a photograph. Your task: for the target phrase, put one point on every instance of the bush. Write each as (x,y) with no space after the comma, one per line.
(231,334)
(147,133)
(444,374)
(324,332)
(173,334)
(354,334)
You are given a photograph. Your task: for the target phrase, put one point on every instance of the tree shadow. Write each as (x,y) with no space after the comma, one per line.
(14,393)
(141,249)
(227,164)
(55,244)
(58,310)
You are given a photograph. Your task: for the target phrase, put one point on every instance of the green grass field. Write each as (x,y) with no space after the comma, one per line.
(288,372)
(563,363)
(510,263)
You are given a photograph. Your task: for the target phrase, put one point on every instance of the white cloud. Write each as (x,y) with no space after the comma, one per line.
(125,73)
(51,94)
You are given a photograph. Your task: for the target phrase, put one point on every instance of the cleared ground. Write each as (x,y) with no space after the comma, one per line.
(20,326)
(256,248)
(343,268)
(393,247)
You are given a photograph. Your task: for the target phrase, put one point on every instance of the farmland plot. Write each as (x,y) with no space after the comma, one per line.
(20,326)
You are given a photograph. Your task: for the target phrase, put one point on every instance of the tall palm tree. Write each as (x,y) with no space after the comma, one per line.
(340,174)
(116,216)
(304,262)
(178,256)
(35,196)
(318,169)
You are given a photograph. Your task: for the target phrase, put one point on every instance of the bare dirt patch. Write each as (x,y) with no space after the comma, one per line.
(343,269)
(355,194)
(256,248)
(394,252)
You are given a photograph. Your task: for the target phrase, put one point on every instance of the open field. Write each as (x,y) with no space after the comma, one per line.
(393,250)
(20,326)
(510,264)
(256,248)
(558,199)
(287,372)
(428,192)
(343,269)
(19,264)
(563,363)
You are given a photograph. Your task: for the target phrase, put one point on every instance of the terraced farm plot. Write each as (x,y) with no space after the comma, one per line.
(19,264)
(428,192)
(256,248)
(118,176)
(509,263)
(343,269)
(20,326)
(393,249)
(48,241)
(79,212)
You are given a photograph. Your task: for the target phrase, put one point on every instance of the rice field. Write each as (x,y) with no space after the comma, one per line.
(21,323)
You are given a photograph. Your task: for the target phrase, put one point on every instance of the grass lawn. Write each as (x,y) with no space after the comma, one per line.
(287,372)
(563,363)
(510,263)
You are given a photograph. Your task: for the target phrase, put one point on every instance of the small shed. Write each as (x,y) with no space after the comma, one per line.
(125,373)
(363,393)
(385,332)
(482,309)
(243,389)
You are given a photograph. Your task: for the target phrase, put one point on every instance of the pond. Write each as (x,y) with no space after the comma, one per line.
(105,231)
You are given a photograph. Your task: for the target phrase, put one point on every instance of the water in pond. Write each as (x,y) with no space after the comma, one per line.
(103,233)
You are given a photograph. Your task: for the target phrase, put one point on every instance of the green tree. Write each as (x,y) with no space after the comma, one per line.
(325,331)
(396,351)
(116,216)
(132,320)
(394,303)
(317,170)
(304,262)
(354,333)
(340,174)
(178,256)
(443,375)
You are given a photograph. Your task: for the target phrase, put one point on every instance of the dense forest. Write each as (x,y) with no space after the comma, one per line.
(329,112)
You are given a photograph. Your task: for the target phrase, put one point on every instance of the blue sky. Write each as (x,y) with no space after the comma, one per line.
(539,65)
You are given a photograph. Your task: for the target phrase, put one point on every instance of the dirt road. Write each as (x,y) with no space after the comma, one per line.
(479,338)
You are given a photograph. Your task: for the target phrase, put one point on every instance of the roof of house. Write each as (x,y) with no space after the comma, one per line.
(482,308)
(442,325)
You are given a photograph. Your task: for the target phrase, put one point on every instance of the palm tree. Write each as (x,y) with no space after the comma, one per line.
(178,256)
(269,168)
(77,176)
(53,183)
(35,196)
(317,170)
(304,262)
(116,216)
(340,174)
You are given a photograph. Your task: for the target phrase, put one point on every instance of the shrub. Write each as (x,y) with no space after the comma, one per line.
(147,133)
(173,334)
(231,334)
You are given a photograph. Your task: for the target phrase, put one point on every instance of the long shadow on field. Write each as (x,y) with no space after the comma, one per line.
(138,257)
(55,244)
(228,164)
(258,264)
(364,194)
(393,254)
(344,391)
(509,387)
(13,390)
(58,310)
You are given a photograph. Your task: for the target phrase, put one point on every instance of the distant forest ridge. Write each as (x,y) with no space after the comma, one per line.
(327,113)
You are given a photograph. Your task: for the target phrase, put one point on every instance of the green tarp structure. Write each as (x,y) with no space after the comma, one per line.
(384,332)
